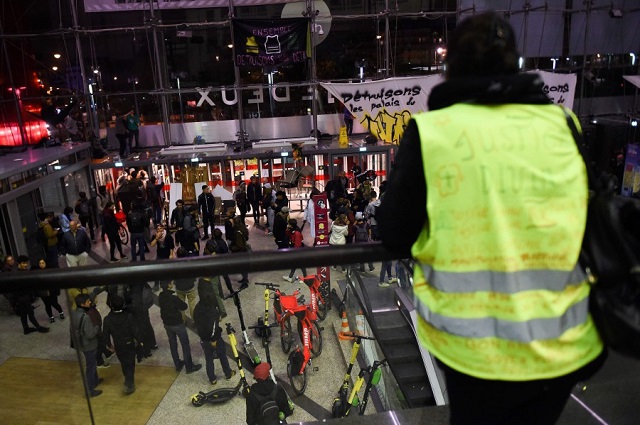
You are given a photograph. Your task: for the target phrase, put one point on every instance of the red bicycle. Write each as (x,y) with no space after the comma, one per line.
(317,303)
(284,307)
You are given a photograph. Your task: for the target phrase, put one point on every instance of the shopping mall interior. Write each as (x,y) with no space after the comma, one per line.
(213,100)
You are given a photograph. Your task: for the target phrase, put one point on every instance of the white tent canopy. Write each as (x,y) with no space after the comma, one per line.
(633,79)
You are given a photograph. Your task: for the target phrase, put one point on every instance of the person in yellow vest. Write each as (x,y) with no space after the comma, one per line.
(493,193)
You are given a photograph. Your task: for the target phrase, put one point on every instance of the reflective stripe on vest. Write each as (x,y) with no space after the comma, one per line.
(502,282)
(491,327)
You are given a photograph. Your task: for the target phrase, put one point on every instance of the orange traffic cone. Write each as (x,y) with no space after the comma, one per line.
(345,332)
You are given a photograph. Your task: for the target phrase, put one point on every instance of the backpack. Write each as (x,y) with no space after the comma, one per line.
(135,217)
(362,235)
(269,412)
(83,208)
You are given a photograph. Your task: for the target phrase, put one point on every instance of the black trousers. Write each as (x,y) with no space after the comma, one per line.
(127,356)
(480,401)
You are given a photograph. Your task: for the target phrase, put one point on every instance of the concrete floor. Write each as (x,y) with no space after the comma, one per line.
(176,407)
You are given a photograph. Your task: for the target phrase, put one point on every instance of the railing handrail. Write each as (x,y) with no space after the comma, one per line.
(254,261)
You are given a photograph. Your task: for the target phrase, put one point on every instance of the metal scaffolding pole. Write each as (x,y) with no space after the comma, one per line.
(160,78)
(88,97)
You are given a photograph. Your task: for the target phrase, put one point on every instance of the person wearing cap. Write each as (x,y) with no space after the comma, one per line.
(265,388)
(280,223)
(489,195)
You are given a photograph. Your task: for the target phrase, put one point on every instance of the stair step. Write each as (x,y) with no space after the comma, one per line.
(396,335)
(410,372)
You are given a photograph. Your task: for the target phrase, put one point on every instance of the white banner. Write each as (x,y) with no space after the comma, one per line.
(385,107)
(129,5)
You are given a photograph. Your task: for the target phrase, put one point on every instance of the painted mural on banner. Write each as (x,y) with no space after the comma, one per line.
(270,43)
(130,5)
(385,106)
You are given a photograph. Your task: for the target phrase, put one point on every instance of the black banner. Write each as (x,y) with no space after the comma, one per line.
(268,43)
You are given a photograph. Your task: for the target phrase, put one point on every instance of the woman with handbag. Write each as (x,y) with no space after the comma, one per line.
(111,227)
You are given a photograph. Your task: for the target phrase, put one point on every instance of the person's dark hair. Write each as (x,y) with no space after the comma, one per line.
(108,205)
(373,194)
(182,252)
(82,195)
(81,299)
(206,294)
(204,186)
(482,45)
(179,201)
(116,302)
(217,233)
(102,189)
(67,211)
(22,259)
(293,223)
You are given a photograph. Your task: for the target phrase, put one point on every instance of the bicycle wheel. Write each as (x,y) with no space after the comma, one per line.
(316,340)
(286,336)
(322,309)
(298,381)
(124,235)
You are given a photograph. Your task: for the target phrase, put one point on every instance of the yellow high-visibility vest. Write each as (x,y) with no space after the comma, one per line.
(498,289)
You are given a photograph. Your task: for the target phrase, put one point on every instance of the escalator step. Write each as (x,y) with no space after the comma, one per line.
(419,394)
(396,335)
(409,372)
(402,353)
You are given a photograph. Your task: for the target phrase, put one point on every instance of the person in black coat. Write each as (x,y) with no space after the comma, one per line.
(171,308)
(254,195)
(207,319)
(119,327)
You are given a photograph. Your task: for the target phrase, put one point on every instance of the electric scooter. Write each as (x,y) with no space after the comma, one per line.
(249,349)
(263,328)
(222,395)
(341,403)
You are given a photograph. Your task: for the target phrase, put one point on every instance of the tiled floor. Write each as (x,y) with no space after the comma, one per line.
(611,397)
(315,404)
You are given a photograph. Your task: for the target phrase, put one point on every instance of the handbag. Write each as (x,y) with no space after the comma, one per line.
(610,256)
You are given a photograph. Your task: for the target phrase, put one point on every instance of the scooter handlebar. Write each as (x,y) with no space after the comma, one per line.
(236,292)
(268,285)
(358,336)
(272,325)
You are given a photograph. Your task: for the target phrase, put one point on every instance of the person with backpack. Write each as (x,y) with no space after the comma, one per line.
(83,209)
(502,298)
(49,240)
(120,332)
(136,222)
(361,235)
(85,338)
(370,215)
(207,320)
(191,241)
(267,402)
(217,245)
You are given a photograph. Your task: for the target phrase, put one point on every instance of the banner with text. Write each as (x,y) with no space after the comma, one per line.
(270,43)
(129,5)
(384,107)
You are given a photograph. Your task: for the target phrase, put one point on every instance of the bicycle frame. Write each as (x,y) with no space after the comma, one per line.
(313,283)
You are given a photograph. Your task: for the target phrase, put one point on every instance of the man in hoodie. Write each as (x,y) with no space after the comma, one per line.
(265,390)
(171,308)
(119,326)
(87,341)
(207,319)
